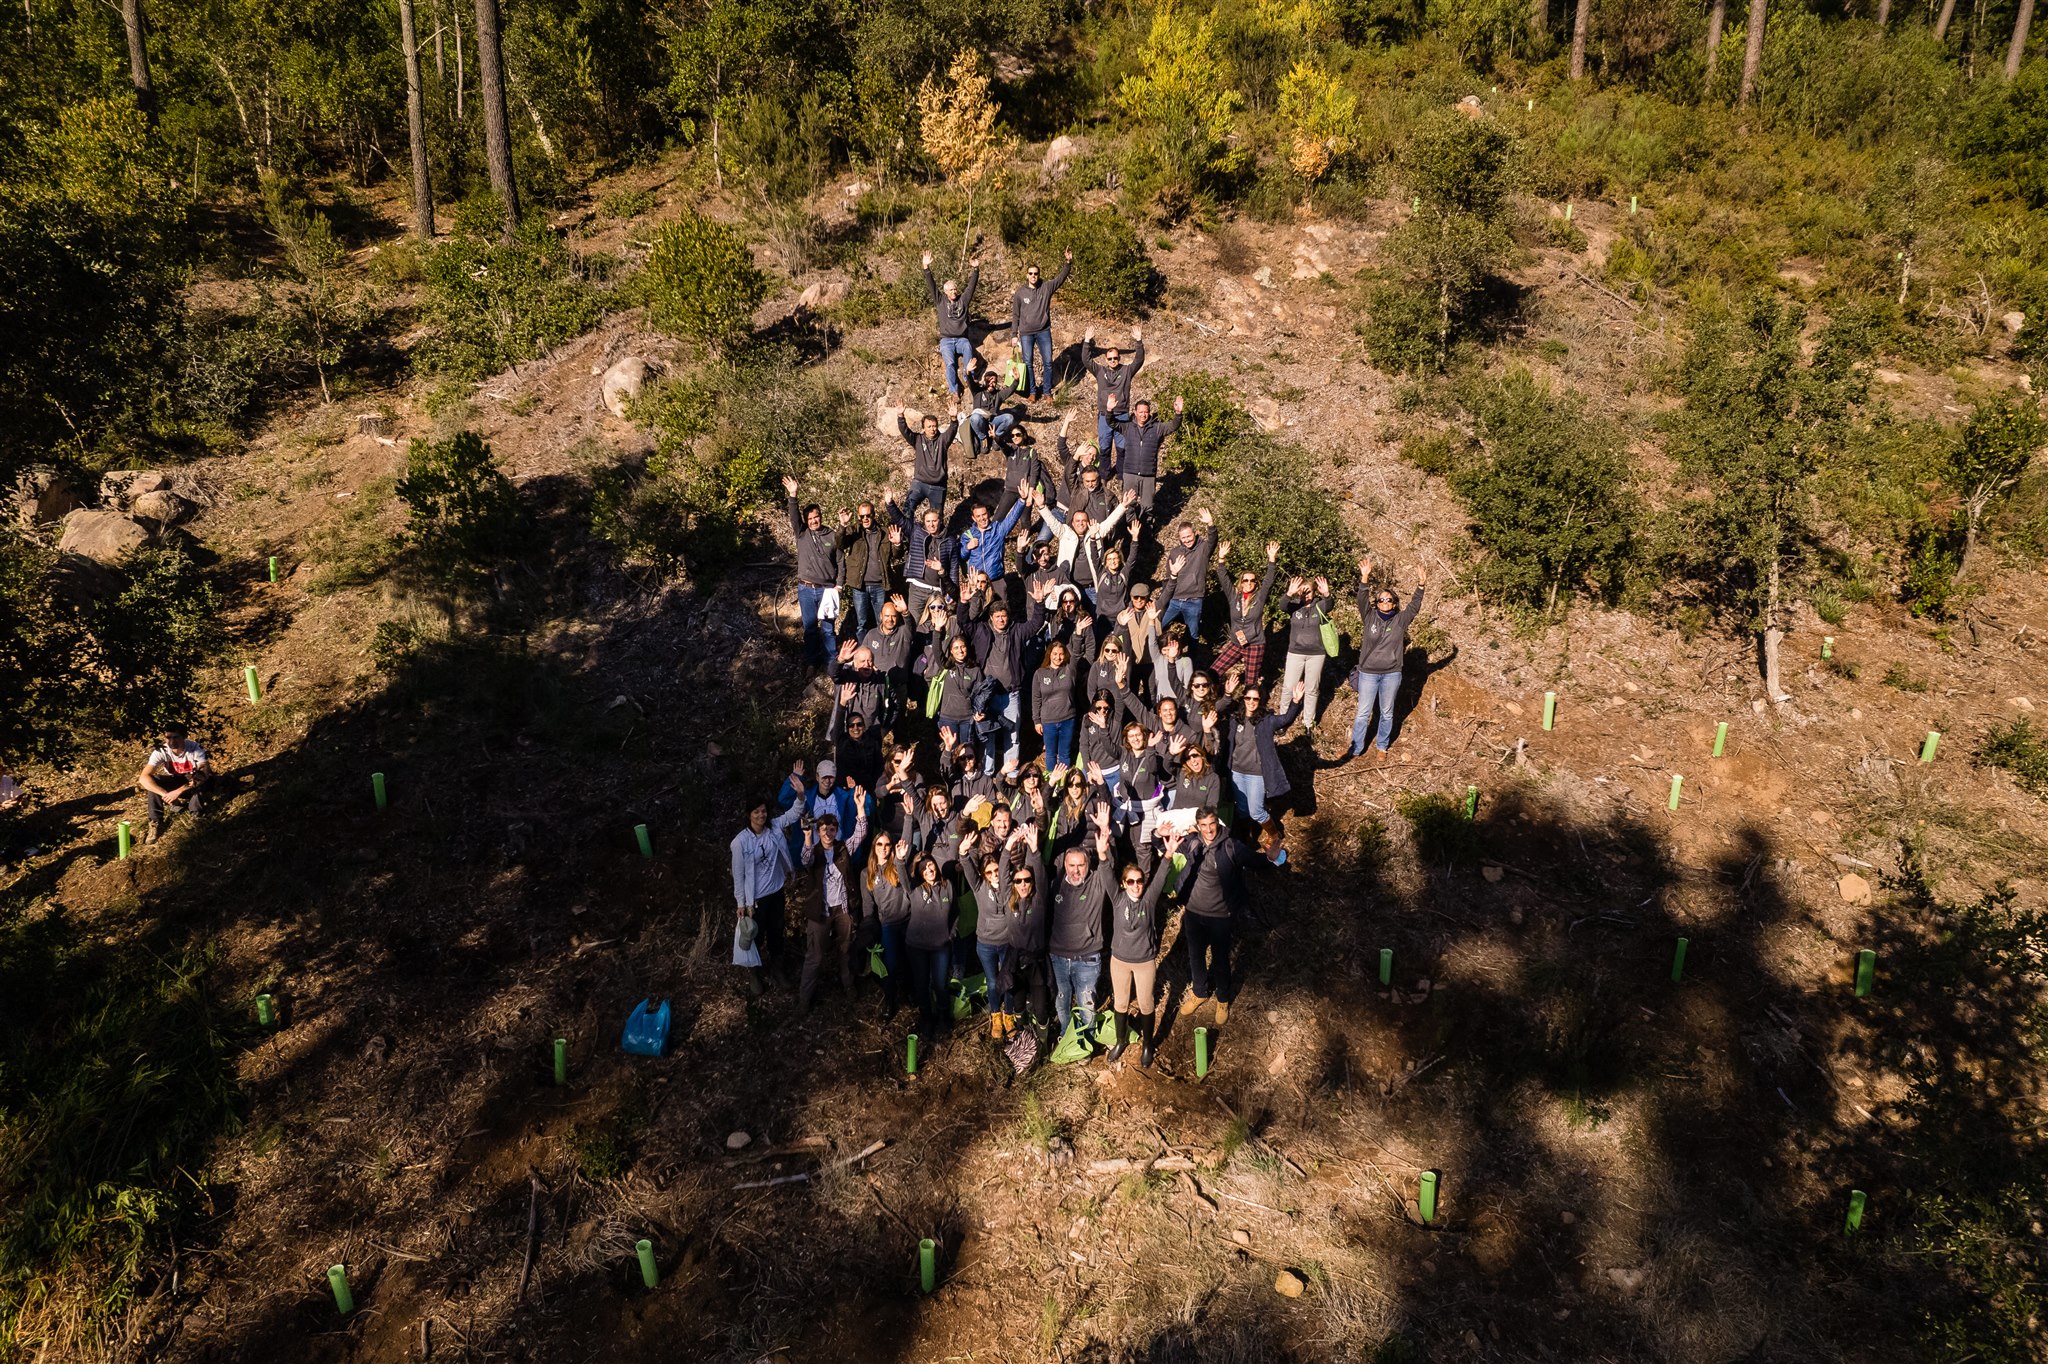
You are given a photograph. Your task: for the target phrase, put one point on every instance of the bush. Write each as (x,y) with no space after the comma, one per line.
(1462,171)
(1399,326)
(701,282)
(1113,274)
(2019,750)
(462,510)
(488,306)
(1549,501)
(1213,428)
(1268,492)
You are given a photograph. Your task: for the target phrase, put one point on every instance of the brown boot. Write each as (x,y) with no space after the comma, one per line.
(1222,1012)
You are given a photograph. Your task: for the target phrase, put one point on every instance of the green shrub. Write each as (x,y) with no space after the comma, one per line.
(2002,135)
(1549,500)
(1399,326)
(1934,556)
(1214,426)
(622,204)
(154,638)
(2020,750)
(488,306)
(1443,836)
(1436,453)
(1268,492)
(1899,679)
(1112,272)
(701,282)
(462,512)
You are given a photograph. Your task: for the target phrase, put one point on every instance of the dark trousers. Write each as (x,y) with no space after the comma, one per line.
(892,961)
(838,930)
(769,913)
(1032,985)
(931,970)
(191,800)
(1208,940)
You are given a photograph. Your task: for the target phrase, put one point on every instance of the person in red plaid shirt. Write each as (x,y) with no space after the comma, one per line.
(1244,636)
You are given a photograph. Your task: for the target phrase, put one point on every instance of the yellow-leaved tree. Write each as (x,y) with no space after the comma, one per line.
(1322,119)
(1185,95)
(957,124)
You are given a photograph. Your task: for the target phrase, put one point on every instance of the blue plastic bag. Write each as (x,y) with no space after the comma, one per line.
(647,1030)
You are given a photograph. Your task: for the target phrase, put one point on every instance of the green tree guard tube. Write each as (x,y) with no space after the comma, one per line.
(649,1275)
(1201,1053)
(1927,748)
(377,788)
(646,842)
(1676,782)
(1549,709)
(1425,1200)
(1827,646)
(265,1014)
(273,568)
(337,1279)
(1866,972)
(1631,205)
(124,839)
(255,687)
(1567,212)
(562,1061)
(1678,960)
(927,1264)
(1386,966)
(1720,738)
(910,1055)
(1855,1221)
(1471,803)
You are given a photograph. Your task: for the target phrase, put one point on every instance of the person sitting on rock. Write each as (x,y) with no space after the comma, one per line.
(175,774)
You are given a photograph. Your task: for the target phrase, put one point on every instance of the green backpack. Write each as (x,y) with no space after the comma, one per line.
(966,992)
(937,689)
(875,965)
(1074,1044)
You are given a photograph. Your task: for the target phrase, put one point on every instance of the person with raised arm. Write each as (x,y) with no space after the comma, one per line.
(1031,323)
(1113,375)
(1382,647)
(954,306)
(817,573)
(1244,634)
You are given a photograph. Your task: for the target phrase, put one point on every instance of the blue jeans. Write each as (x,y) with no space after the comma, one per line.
(993,955)
(1037,370)
(1059,742)
(1251,794)
(984,426)
(1074,981)
(892,960)
(1380,688)
(954,353)
(1103,431)
(934,493)
(821,634)
(1007,713)
(867,606)
(1187,609)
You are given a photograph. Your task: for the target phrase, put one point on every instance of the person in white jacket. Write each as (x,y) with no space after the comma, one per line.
(761,868)
(1074,536)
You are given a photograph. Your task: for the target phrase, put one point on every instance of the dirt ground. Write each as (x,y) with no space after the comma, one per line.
(1630,1168)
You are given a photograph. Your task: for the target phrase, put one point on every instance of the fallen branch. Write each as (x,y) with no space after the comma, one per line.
(809,1175)
(532,1231)
(1627,303)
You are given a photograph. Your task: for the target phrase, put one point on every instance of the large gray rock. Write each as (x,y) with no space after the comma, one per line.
(44,495)
(622,383)
(105,537)
(1061,154)
(163,506)
(118,486)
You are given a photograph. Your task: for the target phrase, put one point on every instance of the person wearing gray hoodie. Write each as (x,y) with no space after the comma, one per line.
(954,305)
(1383,643)
(1031,325)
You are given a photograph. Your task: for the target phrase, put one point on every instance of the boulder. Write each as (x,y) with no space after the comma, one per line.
(2014,321)
(886,414)
(1853,889)
(44,495)
(622,383)
(105,537)
(1266,412)
(117,486)
(1288,1284)
(163,506)
(1061,154)
(738,1141)
(823,294)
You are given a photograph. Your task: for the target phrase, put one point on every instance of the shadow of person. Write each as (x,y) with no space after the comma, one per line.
(1416,670)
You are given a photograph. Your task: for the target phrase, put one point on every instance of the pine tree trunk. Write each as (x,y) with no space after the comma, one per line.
(416,127)
(1773,637)
(1717,21)
(138,58)
(1884,14)
(1539,23)
(1753,53)
(1580,23)
(461,71)
(2018,49)
(1947,17)
(490,65)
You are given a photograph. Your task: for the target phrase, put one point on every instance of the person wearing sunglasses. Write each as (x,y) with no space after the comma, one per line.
(928,942)
(1252,755)
(870,562)
(1244,598)
(985,864)
(1133,953)
(1212,880)
(1031,323)
(1377,679)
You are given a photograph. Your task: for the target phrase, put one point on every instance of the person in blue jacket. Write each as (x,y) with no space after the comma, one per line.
(981,544)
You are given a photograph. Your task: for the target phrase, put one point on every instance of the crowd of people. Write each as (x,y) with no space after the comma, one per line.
(1035,755)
